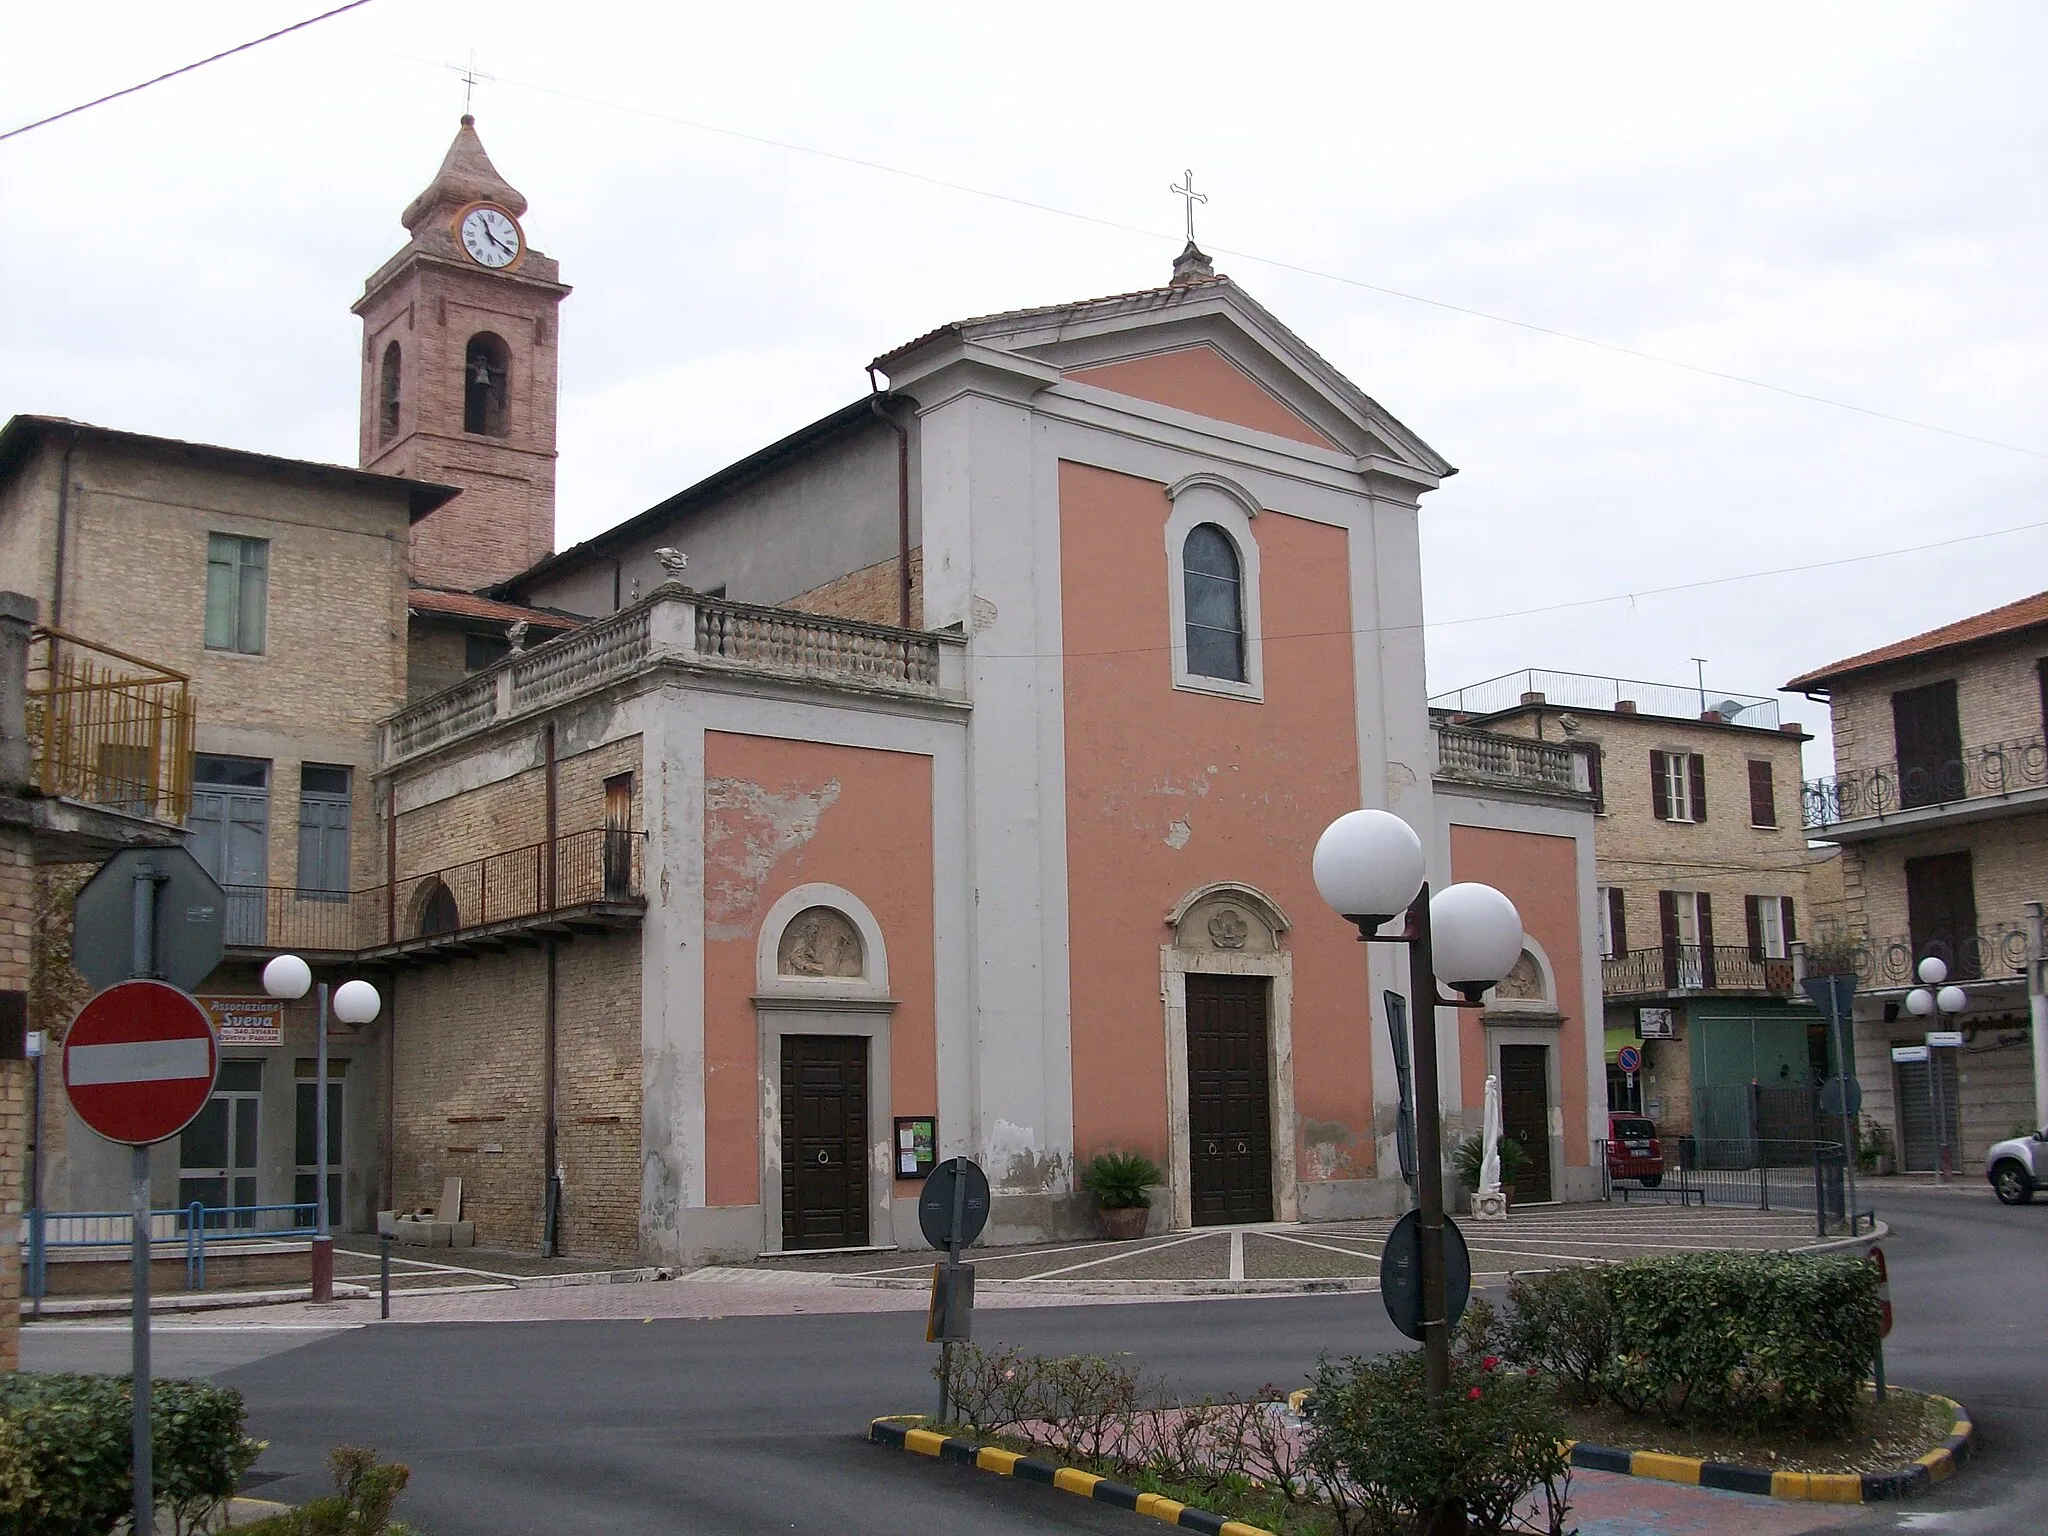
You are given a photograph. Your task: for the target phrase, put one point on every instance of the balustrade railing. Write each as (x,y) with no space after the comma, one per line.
(109,727)
(1495,758)
(1695,968)
(1996,769)
(704,630)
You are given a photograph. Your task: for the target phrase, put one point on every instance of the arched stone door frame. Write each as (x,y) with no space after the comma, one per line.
(1229,929)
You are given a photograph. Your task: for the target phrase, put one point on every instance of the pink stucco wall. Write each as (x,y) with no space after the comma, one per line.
(1540,875)
(778,814)
(1202,380)
(1169,790)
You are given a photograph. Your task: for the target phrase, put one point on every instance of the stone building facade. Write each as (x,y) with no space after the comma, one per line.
(1703,892)
(1939,803)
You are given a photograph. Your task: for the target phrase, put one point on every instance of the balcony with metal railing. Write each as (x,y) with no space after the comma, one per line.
(1695,970)
(1585,690)
(1990,953)
(1980,783)
(1491,758)
(109,729)
(676,627)
(581,882)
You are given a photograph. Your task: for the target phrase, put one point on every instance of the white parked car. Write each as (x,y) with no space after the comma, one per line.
(2018,1167)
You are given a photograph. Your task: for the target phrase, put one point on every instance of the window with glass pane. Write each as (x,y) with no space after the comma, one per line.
(217,1152)
(237,592)
(323,832)
(1215,604)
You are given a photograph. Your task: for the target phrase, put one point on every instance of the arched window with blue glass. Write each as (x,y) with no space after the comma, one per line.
(1214,590)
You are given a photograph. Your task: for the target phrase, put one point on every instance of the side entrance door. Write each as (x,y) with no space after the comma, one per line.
(1525,1115)
(824,1141)
(1230,1158)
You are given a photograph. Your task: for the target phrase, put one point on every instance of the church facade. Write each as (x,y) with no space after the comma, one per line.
(939,779)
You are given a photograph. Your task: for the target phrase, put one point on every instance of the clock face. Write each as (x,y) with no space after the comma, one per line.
(490,236)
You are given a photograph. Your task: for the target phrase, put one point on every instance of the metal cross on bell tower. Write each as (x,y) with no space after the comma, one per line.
(1185,189)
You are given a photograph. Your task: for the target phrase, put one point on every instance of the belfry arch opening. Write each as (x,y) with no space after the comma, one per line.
(486,385)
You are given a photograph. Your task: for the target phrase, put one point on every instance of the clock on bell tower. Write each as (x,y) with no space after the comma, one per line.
(459,373)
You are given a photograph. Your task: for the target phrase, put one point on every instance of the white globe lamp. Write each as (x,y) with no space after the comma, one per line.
(1369,865)
(1933,971)
(287,977)
(1478,936)
(1952,999)
(356,1002)
(1920,1002)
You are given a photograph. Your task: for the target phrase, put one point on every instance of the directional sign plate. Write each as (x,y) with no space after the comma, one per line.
(935,1203)
(1401,1274)
(139,1062)
(191,918)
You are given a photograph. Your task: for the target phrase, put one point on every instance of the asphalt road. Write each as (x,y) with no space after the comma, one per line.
(752,1424)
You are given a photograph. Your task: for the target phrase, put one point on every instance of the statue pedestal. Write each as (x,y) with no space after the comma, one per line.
(1489,1205)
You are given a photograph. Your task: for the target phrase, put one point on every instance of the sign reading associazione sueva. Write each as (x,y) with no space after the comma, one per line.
(246,1020)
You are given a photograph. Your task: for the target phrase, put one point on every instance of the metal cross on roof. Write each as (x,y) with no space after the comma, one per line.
(469,80)
(1191,196)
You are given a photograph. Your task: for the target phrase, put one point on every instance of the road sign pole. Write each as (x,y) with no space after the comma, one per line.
(323,1240)
(145,1493)
(142,962)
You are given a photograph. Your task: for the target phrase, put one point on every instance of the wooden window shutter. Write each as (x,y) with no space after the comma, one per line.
(1660,788)
(1785,921)
(1667,924)
(1617,920)
(1593,777)
(1706,937)
(1752,912)
(1697,772)
(1763,805)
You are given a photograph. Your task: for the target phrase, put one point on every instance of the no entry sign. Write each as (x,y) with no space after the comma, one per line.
(139,1062)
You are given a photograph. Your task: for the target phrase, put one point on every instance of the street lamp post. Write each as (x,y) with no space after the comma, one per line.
(1369,866)
(1932,1000)
(354,1002)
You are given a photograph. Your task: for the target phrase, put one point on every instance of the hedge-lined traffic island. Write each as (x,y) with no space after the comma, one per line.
(1744,1371)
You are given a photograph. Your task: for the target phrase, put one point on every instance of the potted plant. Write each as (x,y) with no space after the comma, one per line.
(1118,1182)
(1471,1153)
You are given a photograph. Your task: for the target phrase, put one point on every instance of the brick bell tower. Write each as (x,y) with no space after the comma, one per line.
(459,373)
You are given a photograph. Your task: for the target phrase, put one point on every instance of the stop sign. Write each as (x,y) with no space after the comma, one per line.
(139,1062)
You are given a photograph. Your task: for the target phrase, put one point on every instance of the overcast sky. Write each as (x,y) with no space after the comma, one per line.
(1844,201)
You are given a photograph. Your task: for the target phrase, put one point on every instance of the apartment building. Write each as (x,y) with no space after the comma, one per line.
(1939,802)
(1703,873)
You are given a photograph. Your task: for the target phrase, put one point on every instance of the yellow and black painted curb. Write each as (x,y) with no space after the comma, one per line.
(899,1432)
(1936,1466)
(1816,1487)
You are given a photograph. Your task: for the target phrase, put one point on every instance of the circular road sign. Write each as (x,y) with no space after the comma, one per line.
(1401,1274)
(1841,1096)
(139,1062)
(935,1203)
(1629,1059)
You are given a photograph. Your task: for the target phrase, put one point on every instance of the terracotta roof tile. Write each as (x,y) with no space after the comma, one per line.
(468,605)
(2027,613)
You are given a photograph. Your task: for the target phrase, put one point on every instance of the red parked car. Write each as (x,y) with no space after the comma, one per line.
(1633,1151)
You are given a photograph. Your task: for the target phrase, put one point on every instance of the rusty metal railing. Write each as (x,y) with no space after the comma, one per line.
(108,727)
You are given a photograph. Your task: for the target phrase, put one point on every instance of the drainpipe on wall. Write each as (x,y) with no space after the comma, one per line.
(2037,1005)
(551,1188)
(63,526)
(876,398)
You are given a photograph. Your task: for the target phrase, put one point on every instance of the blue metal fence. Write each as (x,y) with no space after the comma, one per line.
(192,1227)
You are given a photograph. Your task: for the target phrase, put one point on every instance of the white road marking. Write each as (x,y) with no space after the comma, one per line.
(1237,1255)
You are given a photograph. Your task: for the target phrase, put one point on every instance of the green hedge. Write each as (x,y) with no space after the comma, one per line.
(1739,1340)
(64,1455)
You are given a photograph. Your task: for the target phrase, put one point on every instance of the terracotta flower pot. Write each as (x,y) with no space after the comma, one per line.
(1124,1221)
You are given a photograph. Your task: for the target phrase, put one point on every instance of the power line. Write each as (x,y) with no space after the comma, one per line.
(185,69)
(883,168)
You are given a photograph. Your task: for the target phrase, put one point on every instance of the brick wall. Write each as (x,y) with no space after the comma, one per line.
(1998,698)
(466,1079)
(871,595)
(469,1098)
(2008,862)
(511,812)
(1725,856)
(17,935)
